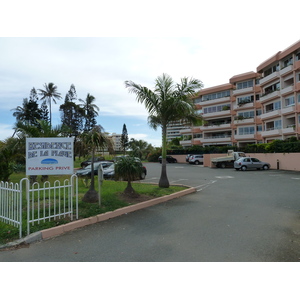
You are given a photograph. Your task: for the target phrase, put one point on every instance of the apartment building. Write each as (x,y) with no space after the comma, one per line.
(173,130)
(254,107)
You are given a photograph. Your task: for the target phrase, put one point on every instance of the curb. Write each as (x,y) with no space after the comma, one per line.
(61,229)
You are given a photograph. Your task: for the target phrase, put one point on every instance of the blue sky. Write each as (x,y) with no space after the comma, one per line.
(99,61)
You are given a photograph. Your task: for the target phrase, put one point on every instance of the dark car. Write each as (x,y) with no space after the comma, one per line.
(87,171)
(89,161)
(109,173)
(169,158)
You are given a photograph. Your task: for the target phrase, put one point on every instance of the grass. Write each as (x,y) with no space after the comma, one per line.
(110,200)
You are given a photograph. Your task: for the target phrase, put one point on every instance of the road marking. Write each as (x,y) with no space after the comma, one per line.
(205,185)
(178,180)
(296,178)
(179,167)
(224,177)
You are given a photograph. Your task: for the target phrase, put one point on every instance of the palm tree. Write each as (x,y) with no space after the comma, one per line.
(128,167)
(50,94)
(96,138)
(91,111)
(168,102)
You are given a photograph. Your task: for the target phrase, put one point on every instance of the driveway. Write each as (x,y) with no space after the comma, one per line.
(234,216)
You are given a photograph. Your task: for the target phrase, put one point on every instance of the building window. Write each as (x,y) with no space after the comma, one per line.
(277,124)
(246,130)
(214,96)
(218,108)
(272,88)
(290,101)
(271,70)
(246,114)
(273,106)
(244,84)
(259,128)
(287,62)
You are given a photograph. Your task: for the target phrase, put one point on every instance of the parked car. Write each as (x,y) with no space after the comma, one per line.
(169,158)
(88,169)
(89,161)
(109,172)
(187,157)
(246,163)
(196,159)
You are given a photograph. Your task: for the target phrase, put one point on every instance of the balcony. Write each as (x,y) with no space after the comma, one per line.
(244,136)
(287,110)
(249,104)
(217,139)
(287,90)
(271,132)
(244,121)
(187,131)
(269,96)
(271,114)
(217,114)
(269,78)
(243,91)
(216,127)
(289,130)
(286,70)
(214,101)
(186,143)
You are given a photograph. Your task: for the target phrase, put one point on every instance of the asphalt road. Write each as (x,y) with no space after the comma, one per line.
(234,216)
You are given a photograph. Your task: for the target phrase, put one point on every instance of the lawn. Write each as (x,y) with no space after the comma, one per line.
(111,199)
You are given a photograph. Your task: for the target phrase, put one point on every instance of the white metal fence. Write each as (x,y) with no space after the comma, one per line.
(11,204)
(44,202)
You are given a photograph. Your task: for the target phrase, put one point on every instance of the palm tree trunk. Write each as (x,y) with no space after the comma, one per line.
(163,181)
(92,187)
(50,113)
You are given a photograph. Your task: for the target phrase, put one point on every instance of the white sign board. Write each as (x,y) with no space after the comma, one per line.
(49,156)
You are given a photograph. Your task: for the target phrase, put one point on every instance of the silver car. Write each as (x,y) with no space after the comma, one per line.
(246,163)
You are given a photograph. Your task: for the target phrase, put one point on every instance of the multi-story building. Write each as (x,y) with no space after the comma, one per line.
(254,107)
(116,141)
(173,130)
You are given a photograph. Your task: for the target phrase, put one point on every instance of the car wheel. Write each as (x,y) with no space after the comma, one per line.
(196,162)
(243,168)
(223,165)
(265,167)
(142,176)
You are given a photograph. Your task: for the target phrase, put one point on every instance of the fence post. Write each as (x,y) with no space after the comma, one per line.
(21,203)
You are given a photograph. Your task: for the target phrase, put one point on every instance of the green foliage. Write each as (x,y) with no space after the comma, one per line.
(153,156)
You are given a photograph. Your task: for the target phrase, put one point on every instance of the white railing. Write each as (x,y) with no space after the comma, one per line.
(11,205)
(44,203)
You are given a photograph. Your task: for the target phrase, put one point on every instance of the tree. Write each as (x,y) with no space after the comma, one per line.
(95,138)
(140,148)
(124,139)
(128,167)
(166,103)
(71,113)
(50,94)
(28,113)
(91,111)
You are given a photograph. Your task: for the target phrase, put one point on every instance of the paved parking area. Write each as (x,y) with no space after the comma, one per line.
(234,216)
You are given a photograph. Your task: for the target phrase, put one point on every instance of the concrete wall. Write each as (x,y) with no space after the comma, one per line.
(287,161)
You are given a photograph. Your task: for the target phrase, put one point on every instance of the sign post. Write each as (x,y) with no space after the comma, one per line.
(49,156)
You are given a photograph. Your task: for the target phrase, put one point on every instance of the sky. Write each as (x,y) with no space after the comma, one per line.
(98,52)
